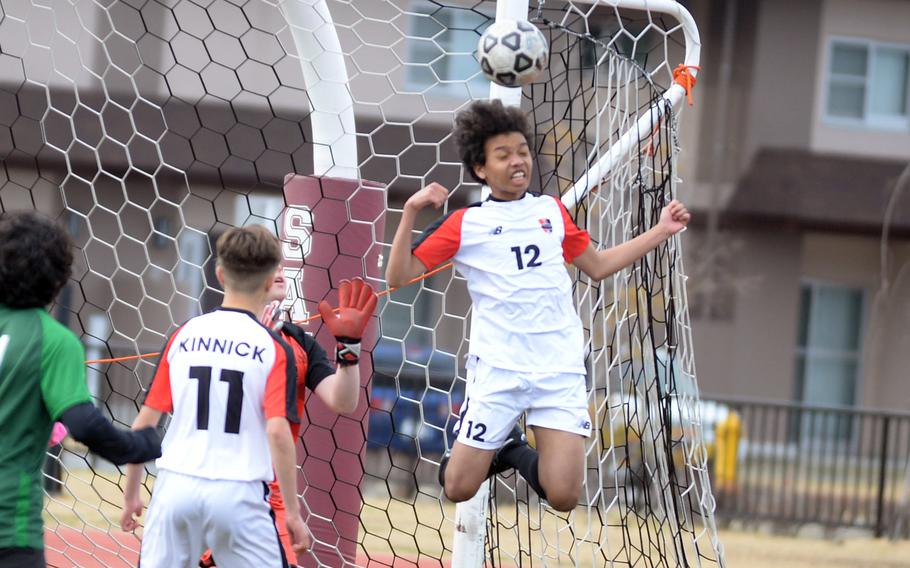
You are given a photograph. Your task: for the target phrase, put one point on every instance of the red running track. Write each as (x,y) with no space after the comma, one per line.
(68,548)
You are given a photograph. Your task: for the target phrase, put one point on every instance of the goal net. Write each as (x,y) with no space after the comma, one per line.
(149,127)
(606,137)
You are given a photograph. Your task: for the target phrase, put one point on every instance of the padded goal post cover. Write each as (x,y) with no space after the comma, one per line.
(330,230)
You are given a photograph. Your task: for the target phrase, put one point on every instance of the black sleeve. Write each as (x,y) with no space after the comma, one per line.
(86,424)
(318,365)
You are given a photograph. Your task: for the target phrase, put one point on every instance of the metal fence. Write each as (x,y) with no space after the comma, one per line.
(832,466)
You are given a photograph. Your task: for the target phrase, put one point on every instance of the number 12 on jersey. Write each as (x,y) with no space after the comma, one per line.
(234,379)
(531,250)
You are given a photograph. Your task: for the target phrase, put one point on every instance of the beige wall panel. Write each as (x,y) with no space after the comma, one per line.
(781,99)
(878,20)
(753,355)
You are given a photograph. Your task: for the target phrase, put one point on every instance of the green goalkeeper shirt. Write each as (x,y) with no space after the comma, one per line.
(42,373)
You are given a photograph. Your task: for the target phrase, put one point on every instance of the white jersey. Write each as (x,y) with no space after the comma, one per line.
(513,255)
(223,375)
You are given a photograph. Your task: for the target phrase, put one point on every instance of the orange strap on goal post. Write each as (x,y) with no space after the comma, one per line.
(683,77)
(385,292)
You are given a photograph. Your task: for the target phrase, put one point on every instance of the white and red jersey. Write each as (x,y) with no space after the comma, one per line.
(223,375)
(513,255)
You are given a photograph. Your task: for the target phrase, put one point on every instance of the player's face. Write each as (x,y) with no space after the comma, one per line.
(508,165)
(279,289)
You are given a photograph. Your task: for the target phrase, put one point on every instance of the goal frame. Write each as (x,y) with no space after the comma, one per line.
(468,547)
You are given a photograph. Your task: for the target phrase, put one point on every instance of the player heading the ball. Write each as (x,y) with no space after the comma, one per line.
(527,344)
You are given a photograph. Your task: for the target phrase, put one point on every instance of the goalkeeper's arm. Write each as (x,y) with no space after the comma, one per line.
(356,304)
(87,425)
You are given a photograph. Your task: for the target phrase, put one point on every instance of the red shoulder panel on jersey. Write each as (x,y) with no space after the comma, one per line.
(440,241)
(159,393)
(576,240)
(281,384)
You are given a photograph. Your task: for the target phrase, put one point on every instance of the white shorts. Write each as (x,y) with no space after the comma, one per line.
(189,514)
(498,397)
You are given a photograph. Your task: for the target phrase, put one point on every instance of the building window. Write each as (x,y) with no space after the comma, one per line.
(868,84)
(441,50)
(828,344)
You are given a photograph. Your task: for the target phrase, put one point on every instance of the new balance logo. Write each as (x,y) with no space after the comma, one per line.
(497,230)
(585,425)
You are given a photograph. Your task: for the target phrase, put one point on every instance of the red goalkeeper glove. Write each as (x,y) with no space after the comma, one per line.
(356,303)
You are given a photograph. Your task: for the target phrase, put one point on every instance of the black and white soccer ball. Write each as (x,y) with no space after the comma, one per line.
(511,53)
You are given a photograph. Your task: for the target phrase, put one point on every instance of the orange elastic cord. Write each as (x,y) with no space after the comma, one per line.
(683,76)
(387,291)
(121,359)
(307,320)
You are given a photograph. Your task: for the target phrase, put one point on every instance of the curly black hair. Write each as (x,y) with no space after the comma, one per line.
(36,258)
(481,121)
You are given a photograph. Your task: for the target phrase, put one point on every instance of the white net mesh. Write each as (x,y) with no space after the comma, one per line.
(150,126)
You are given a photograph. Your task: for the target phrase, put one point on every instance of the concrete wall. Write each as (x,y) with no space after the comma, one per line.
(781,97)
(751,354)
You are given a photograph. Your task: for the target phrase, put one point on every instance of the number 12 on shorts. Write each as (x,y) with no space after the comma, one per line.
(475,431)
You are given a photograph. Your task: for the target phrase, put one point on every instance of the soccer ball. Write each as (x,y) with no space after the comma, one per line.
(511,53)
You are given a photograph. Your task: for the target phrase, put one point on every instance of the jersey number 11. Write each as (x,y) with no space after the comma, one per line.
(234,379)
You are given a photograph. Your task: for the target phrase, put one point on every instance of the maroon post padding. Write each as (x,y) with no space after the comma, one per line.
(347,219)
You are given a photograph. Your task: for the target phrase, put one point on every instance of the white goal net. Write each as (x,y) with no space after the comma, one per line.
(148,127)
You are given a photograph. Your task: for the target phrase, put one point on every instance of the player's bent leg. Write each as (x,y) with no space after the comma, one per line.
(561,466)
(468,467)
(561,422)
(487,418)
(173,534)
(240,527)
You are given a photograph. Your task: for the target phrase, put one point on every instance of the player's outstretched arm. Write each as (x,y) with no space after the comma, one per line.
(87,425)
(599,264)
(132,503)
(284,459)
(356,304)
(404,266)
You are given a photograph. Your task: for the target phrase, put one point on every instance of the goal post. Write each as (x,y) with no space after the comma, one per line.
(624,134)
(669,100)
(326,85)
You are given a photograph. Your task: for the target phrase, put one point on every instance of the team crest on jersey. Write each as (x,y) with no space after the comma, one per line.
(546,225)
